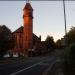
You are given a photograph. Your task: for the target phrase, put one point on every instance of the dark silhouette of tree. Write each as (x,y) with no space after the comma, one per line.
(49,42)
(69,60)
(58,44)
(6,42)
(69,53)
(70,37)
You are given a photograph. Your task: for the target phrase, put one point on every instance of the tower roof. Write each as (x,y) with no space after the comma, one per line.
(28,6)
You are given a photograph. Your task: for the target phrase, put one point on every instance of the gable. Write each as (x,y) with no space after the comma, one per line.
(19,30)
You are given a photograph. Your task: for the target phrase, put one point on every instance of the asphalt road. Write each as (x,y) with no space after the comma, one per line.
(26,66)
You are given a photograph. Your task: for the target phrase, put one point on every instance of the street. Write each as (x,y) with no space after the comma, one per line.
(27,66)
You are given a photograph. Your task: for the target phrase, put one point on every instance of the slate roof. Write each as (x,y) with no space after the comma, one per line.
(19,30)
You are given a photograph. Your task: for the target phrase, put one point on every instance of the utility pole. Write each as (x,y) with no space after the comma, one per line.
(65,38)
(64,17)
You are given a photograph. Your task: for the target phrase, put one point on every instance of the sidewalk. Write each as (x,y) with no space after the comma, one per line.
(11,60)
(57,67)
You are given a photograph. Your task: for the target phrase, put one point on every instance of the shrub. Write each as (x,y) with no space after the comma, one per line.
(69,57)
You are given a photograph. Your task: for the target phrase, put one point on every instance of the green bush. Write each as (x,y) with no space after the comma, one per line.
(69,56)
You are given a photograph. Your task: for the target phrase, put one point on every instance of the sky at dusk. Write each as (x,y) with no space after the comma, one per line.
(48,16)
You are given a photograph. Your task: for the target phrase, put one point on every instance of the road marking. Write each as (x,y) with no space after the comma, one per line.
(47,70)
(25,69)
(28,67)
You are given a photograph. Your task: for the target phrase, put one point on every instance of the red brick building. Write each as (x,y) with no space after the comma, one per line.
(26,42)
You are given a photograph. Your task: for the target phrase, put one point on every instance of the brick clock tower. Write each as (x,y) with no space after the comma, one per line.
(28,27)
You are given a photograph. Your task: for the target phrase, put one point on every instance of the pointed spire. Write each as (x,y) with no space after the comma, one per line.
(28,5)
(27,1)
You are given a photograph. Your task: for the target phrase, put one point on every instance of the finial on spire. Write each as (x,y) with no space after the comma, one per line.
(27,1)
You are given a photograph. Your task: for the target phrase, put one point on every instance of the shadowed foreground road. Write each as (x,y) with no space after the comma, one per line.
(27,66)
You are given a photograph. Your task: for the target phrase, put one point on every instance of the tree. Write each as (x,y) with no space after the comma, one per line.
(58,43)
(5,39)
(49,42)
(69,53)
(70,37)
